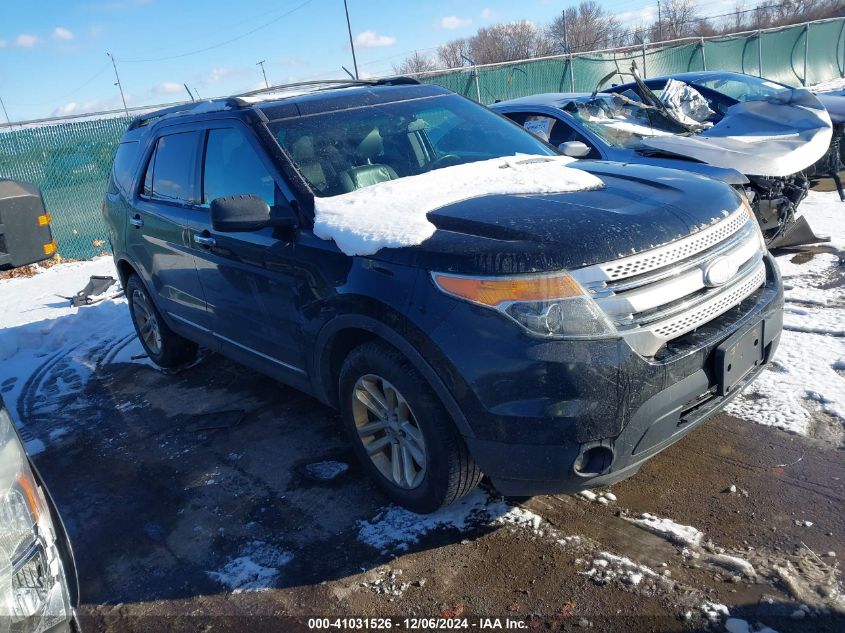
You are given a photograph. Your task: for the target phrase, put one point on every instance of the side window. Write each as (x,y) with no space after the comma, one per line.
(170,172)
(232,167)
(125,161)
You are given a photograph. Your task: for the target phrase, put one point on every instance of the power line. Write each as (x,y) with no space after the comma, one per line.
(102,69)
(223,43)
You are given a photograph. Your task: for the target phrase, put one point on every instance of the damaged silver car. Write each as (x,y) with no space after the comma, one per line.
(760,146)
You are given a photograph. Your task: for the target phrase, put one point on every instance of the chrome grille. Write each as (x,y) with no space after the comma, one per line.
(663,293)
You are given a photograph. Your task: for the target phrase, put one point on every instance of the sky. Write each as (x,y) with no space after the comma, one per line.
(53,53)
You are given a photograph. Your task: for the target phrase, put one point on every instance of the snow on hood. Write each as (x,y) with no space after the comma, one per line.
(776,136)
(686,103)
(392,214)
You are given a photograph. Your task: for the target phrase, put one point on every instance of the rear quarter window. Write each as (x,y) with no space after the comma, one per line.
(123,168)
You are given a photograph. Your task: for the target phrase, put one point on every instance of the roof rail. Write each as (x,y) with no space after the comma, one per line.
(238,101)
(149,117)
(385,81)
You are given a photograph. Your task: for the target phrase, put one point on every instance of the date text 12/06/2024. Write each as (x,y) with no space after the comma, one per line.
(416,624)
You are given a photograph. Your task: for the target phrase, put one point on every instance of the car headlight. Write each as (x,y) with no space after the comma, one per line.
(33,588)
(552,305)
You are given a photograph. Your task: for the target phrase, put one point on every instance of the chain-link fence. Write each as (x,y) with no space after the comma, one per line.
(70,159)
(800,55)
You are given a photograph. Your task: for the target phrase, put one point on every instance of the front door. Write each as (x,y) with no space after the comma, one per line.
(156,235)
(251,303)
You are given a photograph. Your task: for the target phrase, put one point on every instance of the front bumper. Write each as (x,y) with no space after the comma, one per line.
(534,416)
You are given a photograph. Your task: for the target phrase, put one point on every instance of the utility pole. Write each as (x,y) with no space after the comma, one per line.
(261,63)
(6,114)
(117,83)
(565,30)
(659,23)
(474,75)
(351,43)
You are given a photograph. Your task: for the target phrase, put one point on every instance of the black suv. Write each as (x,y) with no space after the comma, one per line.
(553,341)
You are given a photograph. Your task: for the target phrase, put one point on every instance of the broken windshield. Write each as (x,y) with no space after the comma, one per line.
(622,122)
(742,87)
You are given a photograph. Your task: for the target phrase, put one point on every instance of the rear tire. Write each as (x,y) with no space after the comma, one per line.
(392,415)
(164,347)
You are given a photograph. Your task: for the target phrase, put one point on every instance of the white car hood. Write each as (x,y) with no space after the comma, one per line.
(777,136)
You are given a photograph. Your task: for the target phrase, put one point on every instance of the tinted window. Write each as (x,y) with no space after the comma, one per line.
(170,173)
(125,161)
(232,167)
(363,146)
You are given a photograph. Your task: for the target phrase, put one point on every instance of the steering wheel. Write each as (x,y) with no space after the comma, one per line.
(447,160)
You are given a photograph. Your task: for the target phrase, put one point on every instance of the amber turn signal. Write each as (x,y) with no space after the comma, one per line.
(493,291)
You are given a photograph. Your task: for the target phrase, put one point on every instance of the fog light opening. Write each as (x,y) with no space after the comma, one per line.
(593,461)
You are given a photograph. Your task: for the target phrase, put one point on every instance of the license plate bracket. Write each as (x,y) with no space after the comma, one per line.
(737,356)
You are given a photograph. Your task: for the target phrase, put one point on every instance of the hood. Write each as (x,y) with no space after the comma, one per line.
(776,136)
(835,106)
(674,161)
(639,208)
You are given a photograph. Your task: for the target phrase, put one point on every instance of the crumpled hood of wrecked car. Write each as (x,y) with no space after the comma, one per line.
(777,136)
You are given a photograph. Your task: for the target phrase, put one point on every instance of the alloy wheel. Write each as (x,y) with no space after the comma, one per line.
(146,321)
(389,431)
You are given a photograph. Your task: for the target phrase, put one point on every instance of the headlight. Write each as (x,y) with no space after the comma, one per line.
(33,590)
(552,305)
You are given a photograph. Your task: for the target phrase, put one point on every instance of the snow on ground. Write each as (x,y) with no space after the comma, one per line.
(808,371)
(42,337)
(606,567)
(395,529)
(393,214)
(255,569)
(667,528)
(326,471)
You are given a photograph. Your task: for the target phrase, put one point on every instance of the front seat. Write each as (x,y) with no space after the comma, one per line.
(369,173)
(303,154)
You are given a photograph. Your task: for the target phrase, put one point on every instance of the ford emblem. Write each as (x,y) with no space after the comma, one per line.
(719,271)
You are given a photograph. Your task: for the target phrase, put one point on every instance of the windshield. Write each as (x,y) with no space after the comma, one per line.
(745,88)
(341,151)
(621,122)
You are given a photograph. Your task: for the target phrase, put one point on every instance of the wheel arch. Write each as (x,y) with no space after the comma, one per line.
(344,333)
(124,270)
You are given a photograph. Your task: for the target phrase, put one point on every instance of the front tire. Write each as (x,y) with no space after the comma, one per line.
(401,432)
(164,347)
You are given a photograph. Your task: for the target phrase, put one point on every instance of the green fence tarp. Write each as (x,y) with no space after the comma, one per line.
(70,160)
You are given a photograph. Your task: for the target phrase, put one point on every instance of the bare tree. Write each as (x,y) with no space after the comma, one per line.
(509,42)
(452,53)
(679,20)
(415,63)
(587,27)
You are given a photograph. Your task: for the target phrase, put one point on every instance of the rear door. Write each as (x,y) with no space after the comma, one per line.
(156,236)
(250,279)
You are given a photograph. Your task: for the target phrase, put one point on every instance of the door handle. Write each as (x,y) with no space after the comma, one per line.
(136,221)
(204,240)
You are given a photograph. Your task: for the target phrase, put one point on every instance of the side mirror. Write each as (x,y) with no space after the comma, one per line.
(232,214)
(575,149)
